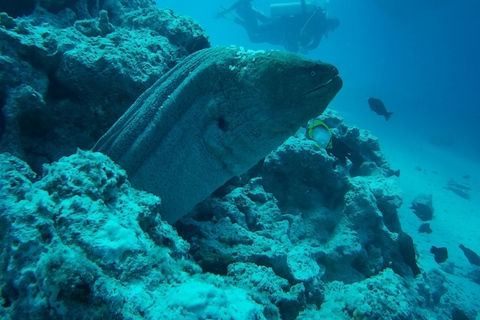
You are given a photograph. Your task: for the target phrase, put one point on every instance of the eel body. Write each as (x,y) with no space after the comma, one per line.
(212,117)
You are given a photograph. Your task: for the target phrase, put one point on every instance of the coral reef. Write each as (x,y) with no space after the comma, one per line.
(386,296)
(302,217)
(69,69)
(79,242)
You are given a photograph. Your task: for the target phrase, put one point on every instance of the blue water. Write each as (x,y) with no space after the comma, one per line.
(422,60)
(70,228)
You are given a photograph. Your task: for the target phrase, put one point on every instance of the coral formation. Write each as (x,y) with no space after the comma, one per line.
(79,242)
(69,69)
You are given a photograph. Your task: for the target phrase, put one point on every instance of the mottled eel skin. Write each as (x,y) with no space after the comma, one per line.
(214,116)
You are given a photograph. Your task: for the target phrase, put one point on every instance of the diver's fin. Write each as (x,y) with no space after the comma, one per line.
(388,115)
(396,173)
(223,12)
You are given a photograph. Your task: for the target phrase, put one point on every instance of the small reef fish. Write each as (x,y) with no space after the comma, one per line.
(379,108)
(321,134)
(440,254)
(391,173)
(425,228)
(472,257)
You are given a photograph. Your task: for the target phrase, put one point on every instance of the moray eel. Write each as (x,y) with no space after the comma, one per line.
(213,116)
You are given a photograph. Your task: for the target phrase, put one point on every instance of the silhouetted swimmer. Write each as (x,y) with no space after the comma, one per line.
(297,26)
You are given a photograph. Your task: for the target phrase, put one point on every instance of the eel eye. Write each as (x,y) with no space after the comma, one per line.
(312,73)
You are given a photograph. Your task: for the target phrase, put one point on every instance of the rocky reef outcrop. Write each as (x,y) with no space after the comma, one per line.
(304,217)
(69,69)
(79,242)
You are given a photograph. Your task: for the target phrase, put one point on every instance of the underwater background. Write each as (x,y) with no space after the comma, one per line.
(383,227)
(419,57)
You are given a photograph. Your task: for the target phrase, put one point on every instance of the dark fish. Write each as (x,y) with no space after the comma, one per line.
(472,257)
(391,173)
(425,228)
(440,254)
(422,206)
(379,108)
(407,250)
(458,314)
(341,151)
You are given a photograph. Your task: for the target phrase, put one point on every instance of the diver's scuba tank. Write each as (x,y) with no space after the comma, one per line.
(293,8)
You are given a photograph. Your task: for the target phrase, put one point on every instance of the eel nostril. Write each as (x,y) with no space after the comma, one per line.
(222,124)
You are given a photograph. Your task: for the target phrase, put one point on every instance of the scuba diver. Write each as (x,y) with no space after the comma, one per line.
(297,26)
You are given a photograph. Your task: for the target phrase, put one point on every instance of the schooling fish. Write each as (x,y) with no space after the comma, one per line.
(212,117)
(472,257)
(379,108)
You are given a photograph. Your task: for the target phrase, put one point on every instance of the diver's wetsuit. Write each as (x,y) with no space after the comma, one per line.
(295,32)
(304,31)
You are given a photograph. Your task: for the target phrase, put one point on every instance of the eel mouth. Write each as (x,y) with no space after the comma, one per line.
(334,79)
